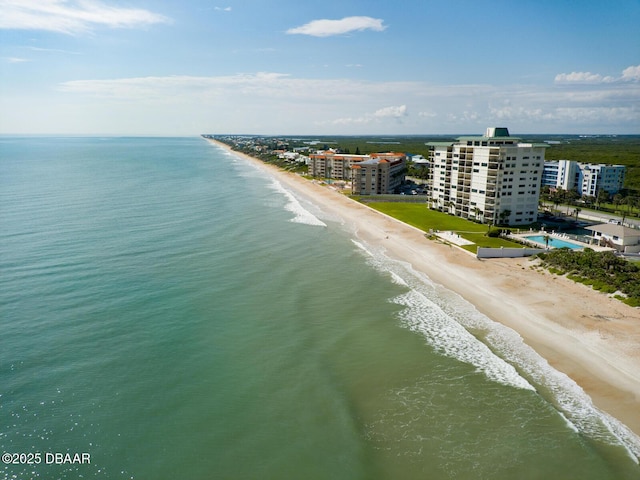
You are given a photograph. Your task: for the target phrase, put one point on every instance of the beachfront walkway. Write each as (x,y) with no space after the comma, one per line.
(452,237)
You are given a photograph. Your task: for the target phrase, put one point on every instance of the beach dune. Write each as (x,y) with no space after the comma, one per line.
(590,337)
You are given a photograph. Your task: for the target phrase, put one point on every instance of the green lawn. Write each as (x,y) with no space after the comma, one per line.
(420,216)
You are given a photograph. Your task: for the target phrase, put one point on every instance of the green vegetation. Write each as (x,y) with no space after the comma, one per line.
(419,216)
(625,203)
(603,271)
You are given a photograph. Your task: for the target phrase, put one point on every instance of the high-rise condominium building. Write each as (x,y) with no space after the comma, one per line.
(493,178)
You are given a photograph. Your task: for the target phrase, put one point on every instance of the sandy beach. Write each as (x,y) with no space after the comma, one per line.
(592,338)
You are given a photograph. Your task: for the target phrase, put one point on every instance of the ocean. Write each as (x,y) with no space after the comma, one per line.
(168,311)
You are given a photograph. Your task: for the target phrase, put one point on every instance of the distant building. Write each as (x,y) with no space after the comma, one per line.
(493,178)
(419,161)
(370,174)
(586,178)
(382,173)
(329,164)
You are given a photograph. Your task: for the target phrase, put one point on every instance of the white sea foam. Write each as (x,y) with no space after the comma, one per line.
(571,401)
(445,319)
(362,247)
(452,339)
(395,278)
(293,205)
(441,330)
(398,280)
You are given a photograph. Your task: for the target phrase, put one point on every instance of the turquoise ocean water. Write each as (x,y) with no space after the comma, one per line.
(170,311)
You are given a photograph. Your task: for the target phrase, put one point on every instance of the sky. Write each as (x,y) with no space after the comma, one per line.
(336,67)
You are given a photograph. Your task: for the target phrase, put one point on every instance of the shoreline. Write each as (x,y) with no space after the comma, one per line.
(591,338)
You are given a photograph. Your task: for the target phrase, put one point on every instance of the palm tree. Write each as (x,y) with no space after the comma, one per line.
(617,200)
(504,215)
(557,197)
(602,197)
(449,204)
(578,210)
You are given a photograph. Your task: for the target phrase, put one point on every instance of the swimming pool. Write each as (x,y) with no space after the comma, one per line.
(553,242)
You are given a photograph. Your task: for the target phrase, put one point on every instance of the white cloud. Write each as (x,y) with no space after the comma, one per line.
(267,85)
(394,112)
(629,74)
(327,28)
(16,60)
(272,103)
(53,50)
(71,16)
(582,77)
(223,9)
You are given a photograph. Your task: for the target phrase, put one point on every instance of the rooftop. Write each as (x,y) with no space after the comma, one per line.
(613,229)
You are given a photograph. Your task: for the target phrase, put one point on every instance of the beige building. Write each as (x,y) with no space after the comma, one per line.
(382,173)
(493,178)
(373,174)
(333,165)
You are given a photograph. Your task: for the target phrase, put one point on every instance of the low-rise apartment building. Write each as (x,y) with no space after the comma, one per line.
(382,173)
(373,174)
(329,164)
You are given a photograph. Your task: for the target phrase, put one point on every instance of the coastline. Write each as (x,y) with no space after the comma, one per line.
(582,333)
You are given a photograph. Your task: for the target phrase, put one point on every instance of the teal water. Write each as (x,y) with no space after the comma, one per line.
(553,242)
(171,311)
